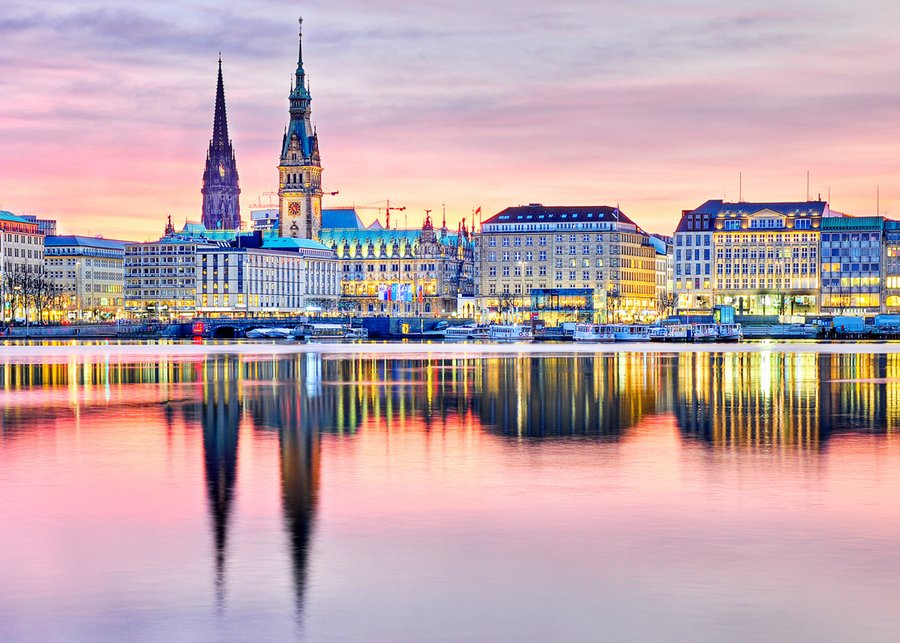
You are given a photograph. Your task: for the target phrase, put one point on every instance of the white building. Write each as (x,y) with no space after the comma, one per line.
(90,271)
(284,277)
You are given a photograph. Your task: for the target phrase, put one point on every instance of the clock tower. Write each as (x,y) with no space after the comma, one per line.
(221,208)
(300,169)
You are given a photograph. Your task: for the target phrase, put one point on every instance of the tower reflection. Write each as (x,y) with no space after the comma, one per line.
(291,402)
(220,420)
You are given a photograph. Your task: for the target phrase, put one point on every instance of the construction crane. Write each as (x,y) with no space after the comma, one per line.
(386,209)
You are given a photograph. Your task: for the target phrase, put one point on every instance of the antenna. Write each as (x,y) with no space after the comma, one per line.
(807,186)
(740,187)
(877,200)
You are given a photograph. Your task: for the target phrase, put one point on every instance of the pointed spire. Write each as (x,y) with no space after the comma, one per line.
(220,121)
(300,74)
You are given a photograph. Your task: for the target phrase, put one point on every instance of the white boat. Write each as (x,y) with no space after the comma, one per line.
(592,333)
(729,332)
(466,331)
(510,332)
(320,331)
(630,332)
(269,333)
(704,332)
(673,333)
(357,332)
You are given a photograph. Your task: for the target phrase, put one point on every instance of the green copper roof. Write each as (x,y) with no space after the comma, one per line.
(852,223)
(5,215)
(289,243)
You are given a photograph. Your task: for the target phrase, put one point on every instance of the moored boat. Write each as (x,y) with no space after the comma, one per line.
(510,332)
(466,331)
(593,333)
(310,331)
(704,332)
(729,332)
(673,333)
(630,332)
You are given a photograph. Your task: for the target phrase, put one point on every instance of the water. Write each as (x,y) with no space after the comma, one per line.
(407,494)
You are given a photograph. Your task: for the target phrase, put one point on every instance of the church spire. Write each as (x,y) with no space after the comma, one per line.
(221,188)
(220,119)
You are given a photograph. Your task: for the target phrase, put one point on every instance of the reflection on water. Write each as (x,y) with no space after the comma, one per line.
(733,399)
(253,429)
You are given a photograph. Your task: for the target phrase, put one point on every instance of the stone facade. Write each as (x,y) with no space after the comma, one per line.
(221,190)
(300,169)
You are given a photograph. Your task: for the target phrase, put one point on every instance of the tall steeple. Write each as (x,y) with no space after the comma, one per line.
(300,169)
(221,206)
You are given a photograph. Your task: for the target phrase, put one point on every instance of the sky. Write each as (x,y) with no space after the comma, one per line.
(106,108)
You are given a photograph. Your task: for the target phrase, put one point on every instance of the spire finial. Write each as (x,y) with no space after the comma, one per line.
(300,46)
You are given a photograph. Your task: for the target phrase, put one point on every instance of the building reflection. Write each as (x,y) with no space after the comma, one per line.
(589,396)
(785,399)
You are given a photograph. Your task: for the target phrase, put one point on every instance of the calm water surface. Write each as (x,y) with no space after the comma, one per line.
(623,497)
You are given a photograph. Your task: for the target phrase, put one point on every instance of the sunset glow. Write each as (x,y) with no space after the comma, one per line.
(107,112)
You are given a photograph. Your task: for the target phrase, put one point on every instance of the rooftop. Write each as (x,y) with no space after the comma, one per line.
(83,242)
(341,218)
(5,215)
(538,213)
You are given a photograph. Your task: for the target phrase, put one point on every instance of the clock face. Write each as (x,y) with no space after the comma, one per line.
(294,209)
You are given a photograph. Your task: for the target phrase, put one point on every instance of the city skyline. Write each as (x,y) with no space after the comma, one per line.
(648,107)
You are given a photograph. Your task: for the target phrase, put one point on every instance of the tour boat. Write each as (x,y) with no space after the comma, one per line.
(466,331)
(510,332)
(630,332)
(593,333)
(310,331)
(704,332)
(269,333)
(357,332)
(729,332)
(673,333)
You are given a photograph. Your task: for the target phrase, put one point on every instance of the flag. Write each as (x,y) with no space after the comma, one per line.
(478,210)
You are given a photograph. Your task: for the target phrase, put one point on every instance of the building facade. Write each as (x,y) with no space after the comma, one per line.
(761,258)
(90,272)
(21,263)
(693,258)
(221,188)
(401,272)
(890,263)
(47,227)
(161,276)
(285,278)
(198,272)
(601,263)
(300,168)
(852,252)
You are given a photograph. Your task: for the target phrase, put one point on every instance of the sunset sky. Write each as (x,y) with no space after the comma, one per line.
(106,108)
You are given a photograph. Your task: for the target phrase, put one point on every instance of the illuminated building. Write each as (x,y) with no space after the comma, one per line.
(300,168)
(46,226)
(221,190)
(851,265)
(891,267)
(21,255)
(269,276)
(225,273)
(596,250)
(161,276)
(761,258)
(693,260)
(91,271)
(400,272)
